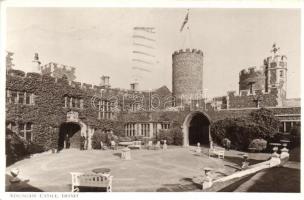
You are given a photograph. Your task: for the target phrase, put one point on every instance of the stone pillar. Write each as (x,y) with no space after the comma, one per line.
(90,134)
(185,130)
(139,128)
(284,127)
(65,102)
(150,130)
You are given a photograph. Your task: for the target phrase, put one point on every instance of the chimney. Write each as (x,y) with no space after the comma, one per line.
(134,86)
(105,81)
(36,61)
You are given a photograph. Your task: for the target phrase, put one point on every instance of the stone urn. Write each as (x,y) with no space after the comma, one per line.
(15,173)
(275,152)
(207,182)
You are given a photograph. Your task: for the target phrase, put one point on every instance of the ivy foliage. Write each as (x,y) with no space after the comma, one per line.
(260,124)
(48,112)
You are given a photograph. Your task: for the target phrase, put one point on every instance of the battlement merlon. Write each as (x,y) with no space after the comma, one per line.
(74,84)
(276,58)
(53,65)
(197,51)
(254,92)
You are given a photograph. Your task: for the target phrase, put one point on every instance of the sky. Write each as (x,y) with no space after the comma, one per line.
(99,41)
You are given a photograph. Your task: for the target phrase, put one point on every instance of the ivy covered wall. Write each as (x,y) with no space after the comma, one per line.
(48,111)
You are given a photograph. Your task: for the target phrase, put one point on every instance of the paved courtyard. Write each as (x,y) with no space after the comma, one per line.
(148,170)
(151,170)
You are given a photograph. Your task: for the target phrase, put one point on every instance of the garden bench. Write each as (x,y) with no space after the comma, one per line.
(218,151)
(91,180)
(135,145)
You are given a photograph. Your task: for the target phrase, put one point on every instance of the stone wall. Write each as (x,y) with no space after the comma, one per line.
(244,100)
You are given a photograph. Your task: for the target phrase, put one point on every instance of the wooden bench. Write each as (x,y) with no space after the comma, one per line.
(92,180)
(218,151)
(135,145)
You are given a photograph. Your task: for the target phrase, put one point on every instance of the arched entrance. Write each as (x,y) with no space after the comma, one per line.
(196,128)
(69,135)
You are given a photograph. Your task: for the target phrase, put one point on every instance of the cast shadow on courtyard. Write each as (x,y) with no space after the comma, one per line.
(185,185)
(22,186)
(270,181)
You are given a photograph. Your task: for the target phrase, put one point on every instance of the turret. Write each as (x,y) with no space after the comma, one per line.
(276,72)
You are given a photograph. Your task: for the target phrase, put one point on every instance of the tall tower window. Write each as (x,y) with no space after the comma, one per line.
(281,73)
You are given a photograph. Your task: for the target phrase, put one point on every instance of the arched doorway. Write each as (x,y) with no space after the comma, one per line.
(70,132)
(196,128)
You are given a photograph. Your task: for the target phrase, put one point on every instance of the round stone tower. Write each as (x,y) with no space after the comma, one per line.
(187,74)
(252,79)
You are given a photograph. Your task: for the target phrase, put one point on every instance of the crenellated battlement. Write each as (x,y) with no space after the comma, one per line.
(74,84)
(197,51)
(276,58)
(50,65)
(244,93)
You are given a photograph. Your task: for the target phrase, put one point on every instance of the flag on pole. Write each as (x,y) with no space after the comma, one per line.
(185,22)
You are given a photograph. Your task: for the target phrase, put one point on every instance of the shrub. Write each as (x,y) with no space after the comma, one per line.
(166,135)
(241,131)
(178,136)
(16,147)
(226,143)
(295,136)
(172,136)
(34,148)
(258,144)
(98,137)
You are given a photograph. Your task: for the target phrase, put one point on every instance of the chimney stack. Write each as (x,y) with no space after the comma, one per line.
(37,63)
(105,81)
(134,86)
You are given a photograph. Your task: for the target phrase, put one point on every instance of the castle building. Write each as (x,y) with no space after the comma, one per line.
(44,108)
